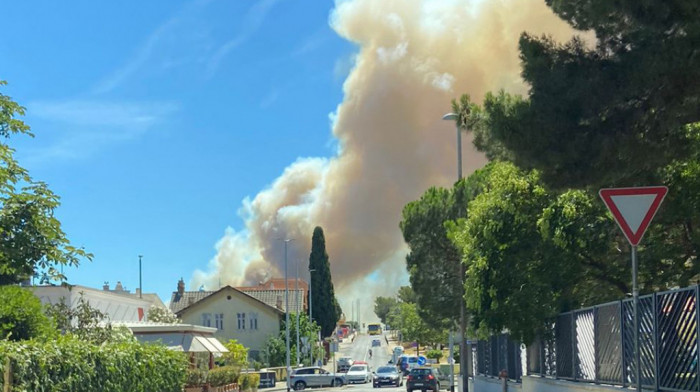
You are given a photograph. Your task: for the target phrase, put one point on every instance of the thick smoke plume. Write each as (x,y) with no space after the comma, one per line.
(413,58)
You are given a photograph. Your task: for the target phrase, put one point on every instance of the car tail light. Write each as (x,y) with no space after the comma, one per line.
(410,377)
(430,377)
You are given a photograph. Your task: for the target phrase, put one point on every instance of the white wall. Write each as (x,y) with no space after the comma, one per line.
(116,307)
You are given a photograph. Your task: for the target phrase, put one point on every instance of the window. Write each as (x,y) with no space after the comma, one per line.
(241,320)
(219,318)
(206,319)
(253,321)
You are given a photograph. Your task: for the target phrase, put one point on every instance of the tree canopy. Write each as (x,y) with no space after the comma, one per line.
(31,238)
(593,108)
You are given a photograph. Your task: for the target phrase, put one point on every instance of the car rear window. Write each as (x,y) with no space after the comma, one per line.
(357,368)
(421,372)
(412,360)
(386,369)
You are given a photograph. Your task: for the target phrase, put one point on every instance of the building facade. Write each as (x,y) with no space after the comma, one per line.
(234,314)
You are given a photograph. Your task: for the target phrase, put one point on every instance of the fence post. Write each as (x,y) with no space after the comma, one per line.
(541,344)
(574,355)
(7,379)
(596,354)
(654,315)
(697,329)
(622,344)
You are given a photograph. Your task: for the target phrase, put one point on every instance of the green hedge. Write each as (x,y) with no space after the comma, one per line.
(68,364)
(223,375)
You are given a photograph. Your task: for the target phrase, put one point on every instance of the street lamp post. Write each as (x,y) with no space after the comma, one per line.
(296,306)
(462,319)
(311,313)
(286,311)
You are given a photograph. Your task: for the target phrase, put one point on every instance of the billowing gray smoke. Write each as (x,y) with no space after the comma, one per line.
(414,57)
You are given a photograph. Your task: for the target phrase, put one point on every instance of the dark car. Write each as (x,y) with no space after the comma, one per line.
(387,375)
(423,378)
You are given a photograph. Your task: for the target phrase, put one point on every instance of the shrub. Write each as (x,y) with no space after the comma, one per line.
(434,354)
(249,381)
(70,364)
(21,315)
(195,377)
(223,375)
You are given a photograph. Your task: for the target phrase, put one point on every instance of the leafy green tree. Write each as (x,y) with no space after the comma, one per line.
(275,352)
(415,329)
(326,308)
(21,315)
(237,354)
(515,280)
(383,305)
(407,295)
(31,238)
(159,314)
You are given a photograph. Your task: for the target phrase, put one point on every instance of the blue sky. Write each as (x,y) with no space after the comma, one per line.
(154,120)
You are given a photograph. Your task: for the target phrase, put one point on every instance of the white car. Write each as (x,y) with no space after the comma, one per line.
(359,374)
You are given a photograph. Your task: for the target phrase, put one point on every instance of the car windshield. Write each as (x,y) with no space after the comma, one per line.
(386,369)
(358,368)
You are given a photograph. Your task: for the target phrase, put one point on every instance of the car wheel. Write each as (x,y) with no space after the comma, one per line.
(299,386)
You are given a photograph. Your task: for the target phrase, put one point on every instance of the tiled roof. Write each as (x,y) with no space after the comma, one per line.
(179,302)
(271,297)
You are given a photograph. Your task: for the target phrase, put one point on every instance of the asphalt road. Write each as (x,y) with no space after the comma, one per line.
(359,351)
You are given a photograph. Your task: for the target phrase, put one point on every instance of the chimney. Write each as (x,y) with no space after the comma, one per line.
(119,287)
(279,302)
(105,286)
(181,287)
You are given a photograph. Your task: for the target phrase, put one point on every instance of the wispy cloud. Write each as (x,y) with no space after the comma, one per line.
(252,21)
(311,43)
(143,54)
(88,126)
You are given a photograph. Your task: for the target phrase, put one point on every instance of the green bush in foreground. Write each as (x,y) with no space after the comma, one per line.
(68,364)
(21,316)
(249,381)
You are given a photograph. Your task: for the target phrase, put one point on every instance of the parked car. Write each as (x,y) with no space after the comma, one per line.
(387,375)
(344,364)
(376,343)
(314,376)
(359,374)
(423,378)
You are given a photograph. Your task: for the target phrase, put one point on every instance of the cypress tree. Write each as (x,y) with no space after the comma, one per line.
(326,311)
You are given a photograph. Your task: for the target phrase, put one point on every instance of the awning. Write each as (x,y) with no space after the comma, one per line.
(184,341)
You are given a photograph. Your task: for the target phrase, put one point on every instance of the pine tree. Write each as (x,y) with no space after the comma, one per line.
(326,311)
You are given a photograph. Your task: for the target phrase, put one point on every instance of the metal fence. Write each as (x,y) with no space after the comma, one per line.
(597,344)
(490,357)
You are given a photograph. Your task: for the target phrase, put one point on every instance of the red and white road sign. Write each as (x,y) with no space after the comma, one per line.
(633,208)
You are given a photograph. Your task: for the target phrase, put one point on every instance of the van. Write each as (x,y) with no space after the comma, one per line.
(398,351)
(407,363)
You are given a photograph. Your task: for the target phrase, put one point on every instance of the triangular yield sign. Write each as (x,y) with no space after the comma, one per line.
(633,208)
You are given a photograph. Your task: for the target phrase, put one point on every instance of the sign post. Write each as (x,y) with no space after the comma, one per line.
(633,210)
